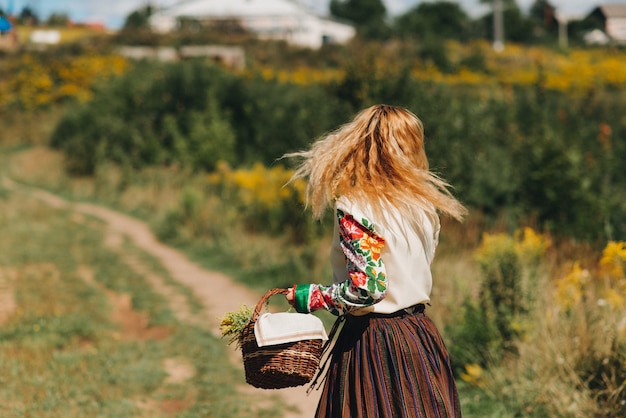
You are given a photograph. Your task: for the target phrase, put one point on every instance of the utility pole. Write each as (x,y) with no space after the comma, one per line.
(562,20)
(498,26)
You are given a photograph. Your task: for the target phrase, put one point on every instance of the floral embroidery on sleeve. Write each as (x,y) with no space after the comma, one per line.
(367,284)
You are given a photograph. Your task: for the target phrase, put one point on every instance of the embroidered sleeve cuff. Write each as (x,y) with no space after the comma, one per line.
(302,298)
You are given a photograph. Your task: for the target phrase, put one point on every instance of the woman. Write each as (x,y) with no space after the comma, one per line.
(389,359)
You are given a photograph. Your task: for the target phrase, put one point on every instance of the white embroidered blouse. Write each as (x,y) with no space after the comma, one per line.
(379,265)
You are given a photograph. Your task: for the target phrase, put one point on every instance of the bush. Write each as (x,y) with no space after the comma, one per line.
(34,81)
(529,151)
(489,328)
(192,114)
(558,349)
(271,117)
(500,292)
(534,154)
(152,116)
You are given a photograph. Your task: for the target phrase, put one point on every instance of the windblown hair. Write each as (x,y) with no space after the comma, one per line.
(379,156)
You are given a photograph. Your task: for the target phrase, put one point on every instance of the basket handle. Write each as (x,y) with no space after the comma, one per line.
(269,294)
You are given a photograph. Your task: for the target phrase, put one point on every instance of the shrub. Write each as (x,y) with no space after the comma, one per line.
(526,149)
(37,81)
(489,328)
(265,199)
(192,114)
(533,154)
(500,296)
(570,362)
(151,116)
(271,117)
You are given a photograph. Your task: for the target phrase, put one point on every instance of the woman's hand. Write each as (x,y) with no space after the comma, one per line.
(291,296)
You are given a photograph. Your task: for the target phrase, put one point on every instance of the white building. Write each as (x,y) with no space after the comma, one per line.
(613,17)
(269,19)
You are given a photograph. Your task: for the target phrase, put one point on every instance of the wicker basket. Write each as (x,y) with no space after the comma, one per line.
(277,366)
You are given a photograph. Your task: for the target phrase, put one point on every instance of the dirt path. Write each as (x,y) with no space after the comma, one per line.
(217,292)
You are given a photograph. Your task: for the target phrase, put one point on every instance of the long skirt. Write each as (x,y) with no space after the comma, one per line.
(389,366)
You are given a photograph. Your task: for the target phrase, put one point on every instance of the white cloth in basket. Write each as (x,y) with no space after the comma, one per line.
(287,327)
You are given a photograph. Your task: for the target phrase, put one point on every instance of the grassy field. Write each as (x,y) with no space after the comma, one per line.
(90,361)
(81,334)
(65,352)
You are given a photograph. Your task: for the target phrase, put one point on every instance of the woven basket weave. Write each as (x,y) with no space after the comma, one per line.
(277,366)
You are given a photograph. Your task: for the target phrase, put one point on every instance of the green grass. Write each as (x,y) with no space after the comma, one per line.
(57,361)
(62,353)
(71,361)
(476,403)
(256,275)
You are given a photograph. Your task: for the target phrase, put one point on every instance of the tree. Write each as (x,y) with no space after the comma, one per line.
(28,16)
(58,19)
(543,18)
(139,19)
(369,16)
(576,29)
(442,19)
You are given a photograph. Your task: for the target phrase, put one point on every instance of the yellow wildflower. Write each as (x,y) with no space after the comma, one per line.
(570,289)
(474,375)
(613,259)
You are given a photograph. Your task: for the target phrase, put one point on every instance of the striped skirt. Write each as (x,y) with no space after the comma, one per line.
(389,366)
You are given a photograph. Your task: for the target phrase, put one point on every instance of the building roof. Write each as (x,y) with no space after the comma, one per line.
(613,10)
(272,19)
(234,8)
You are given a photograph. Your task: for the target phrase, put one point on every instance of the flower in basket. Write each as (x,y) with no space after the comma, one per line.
(233,323)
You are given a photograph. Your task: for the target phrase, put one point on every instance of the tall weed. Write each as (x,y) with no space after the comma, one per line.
(565,336)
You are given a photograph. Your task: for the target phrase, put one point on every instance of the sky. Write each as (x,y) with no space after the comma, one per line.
(113,12)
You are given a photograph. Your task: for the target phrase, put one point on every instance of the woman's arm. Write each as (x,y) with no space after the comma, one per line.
(368,280)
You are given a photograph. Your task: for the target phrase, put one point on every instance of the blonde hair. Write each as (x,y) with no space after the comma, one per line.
(379,156)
